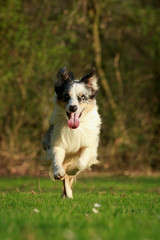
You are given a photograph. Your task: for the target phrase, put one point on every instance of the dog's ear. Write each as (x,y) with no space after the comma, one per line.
(64,76)
(91,79)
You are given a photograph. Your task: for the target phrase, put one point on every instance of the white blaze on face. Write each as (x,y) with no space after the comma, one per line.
(73,98)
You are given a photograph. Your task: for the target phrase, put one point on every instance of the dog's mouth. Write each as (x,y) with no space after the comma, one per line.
(73,121)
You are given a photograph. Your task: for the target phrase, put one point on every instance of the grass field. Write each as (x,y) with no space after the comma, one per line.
(129,209)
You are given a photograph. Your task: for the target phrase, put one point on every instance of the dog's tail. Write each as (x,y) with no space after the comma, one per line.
(46,145)
(46,142)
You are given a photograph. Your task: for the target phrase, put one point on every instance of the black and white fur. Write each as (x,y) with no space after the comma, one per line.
(72,139)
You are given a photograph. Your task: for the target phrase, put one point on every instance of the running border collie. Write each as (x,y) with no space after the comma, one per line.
(73,136)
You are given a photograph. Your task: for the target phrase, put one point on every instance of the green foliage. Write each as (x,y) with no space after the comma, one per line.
(129,209)
(39,37)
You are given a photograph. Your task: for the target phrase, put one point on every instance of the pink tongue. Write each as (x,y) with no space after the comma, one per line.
(73,122)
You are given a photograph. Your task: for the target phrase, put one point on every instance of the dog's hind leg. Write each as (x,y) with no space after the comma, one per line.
(71,181)
(67,191)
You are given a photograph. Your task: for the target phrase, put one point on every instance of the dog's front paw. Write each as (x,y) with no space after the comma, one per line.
(59,173)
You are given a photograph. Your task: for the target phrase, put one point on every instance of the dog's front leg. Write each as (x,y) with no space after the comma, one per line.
(57,161)
(84,158)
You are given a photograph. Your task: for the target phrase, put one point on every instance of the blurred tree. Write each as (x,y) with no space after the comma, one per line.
(120,38)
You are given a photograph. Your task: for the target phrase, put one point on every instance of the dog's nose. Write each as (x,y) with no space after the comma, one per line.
(73,108)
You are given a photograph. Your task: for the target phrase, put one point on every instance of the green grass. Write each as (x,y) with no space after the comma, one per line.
(130,209)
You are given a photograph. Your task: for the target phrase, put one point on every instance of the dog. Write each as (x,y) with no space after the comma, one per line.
(73,136)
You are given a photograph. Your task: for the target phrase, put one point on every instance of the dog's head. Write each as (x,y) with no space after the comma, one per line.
(76,96)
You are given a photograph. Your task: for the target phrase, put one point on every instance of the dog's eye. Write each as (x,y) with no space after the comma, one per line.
(66,97)
(83,97)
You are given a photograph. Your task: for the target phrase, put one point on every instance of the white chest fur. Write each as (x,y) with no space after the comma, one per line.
(86,135)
